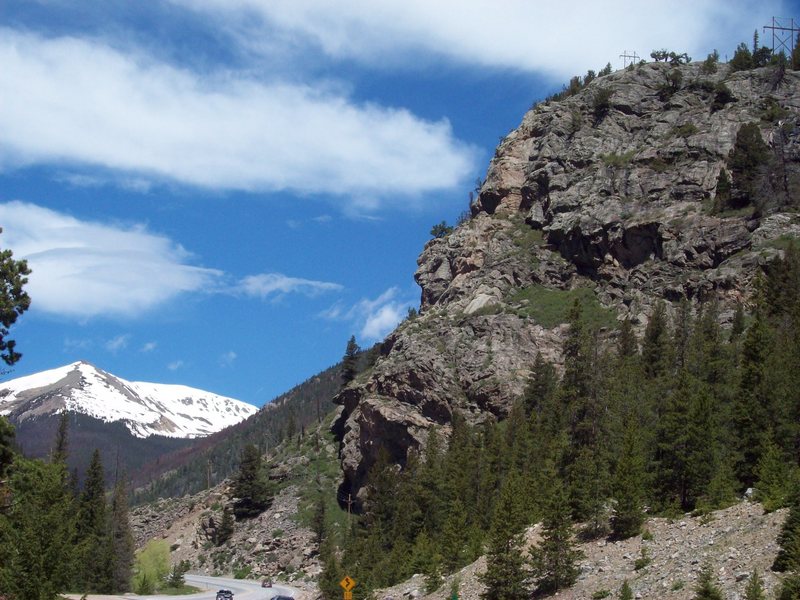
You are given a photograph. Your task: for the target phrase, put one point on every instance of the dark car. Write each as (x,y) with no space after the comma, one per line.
(224,595)
(282,598)
(266,583)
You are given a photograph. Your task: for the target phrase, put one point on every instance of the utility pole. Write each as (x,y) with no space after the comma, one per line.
(783,36)
(634,58)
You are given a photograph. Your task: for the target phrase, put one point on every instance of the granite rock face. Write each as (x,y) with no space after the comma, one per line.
(615,203)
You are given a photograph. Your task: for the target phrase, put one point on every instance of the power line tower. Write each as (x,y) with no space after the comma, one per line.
(783,35)
(634,58)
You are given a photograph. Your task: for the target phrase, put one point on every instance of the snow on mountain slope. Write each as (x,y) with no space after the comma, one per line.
(145,408)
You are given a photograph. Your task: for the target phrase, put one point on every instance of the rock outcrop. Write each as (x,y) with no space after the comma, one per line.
(611,199)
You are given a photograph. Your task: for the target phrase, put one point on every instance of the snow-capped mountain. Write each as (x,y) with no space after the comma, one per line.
(146,409)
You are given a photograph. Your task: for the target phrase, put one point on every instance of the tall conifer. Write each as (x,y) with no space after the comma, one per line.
(555,559)
(506,572)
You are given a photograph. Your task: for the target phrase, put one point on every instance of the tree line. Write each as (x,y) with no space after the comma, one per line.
(686,418)
(57,537)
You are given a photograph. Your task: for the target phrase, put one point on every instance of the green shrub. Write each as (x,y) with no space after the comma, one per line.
(722,96)
(242,572)
(658,165)
(710,63)
(742,58)
(440,230)
(617,160)
(673,82)
(641,562)
(600,594)
(601,102)
(685,130)
(772,111)
(151,566)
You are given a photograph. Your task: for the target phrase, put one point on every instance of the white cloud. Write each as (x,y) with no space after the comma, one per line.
(175,365)
(148,347)
(228,358)
(374,318)
(520,34)
(266,284)
(381,321)
(84,269)
(76,102)
(117,343)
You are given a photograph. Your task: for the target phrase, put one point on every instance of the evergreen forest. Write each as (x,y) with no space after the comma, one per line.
(686,418)
(54,536)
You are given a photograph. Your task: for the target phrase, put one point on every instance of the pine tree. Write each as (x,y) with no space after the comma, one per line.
(627,343)
(120,538)
(656,352)
(790,588)
(506,573)
(318,523)
(788,557)
(350,361)
(542,386)
(555,559)
(721,490)
(37,533)
(251,488)
(454,536)
(625,591)
(774,476)
(332,572)
(751,411)
(629,486)
(92,529)
(14,301)
(588,479)
(6,445)
(707,588)
(755,588)
(60,448)
(225,529)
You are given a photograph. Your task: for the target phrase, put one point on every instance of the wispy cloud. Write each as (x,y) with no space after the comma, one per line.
(374,318)
(117,343)
(148,347)
(267,284)
(517,34)
(85,269)
(227,359)
(67,100)
(72,344)
(175,365)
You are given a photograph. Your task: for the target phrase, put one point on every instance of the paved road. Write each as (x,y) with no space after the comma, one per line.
(243,589)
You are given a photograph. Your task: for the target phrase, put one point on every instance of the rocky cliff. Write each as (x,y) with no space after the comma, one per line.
(631,191)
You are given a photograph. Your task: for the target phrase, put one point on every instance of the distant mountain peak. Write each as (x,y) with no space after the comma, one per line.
(146,409)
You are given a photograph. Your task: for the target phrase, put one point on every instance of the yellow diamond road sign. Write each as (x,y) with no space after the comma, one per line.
(348,583)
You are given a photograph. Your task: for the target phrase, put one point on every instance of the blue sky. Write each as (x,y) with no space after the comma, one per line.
(219,193)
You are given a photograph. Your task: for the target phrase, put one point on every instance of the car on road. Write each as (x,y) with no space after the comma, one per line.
(266,583)
(224,595)
(281,598)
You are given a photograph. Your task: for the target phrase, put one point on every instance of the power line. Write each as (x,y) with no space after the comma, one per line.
(783,35)
(634,58)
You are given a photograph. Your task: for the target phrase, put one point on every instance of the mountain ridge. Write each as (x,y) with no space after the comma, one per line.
(146,409)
